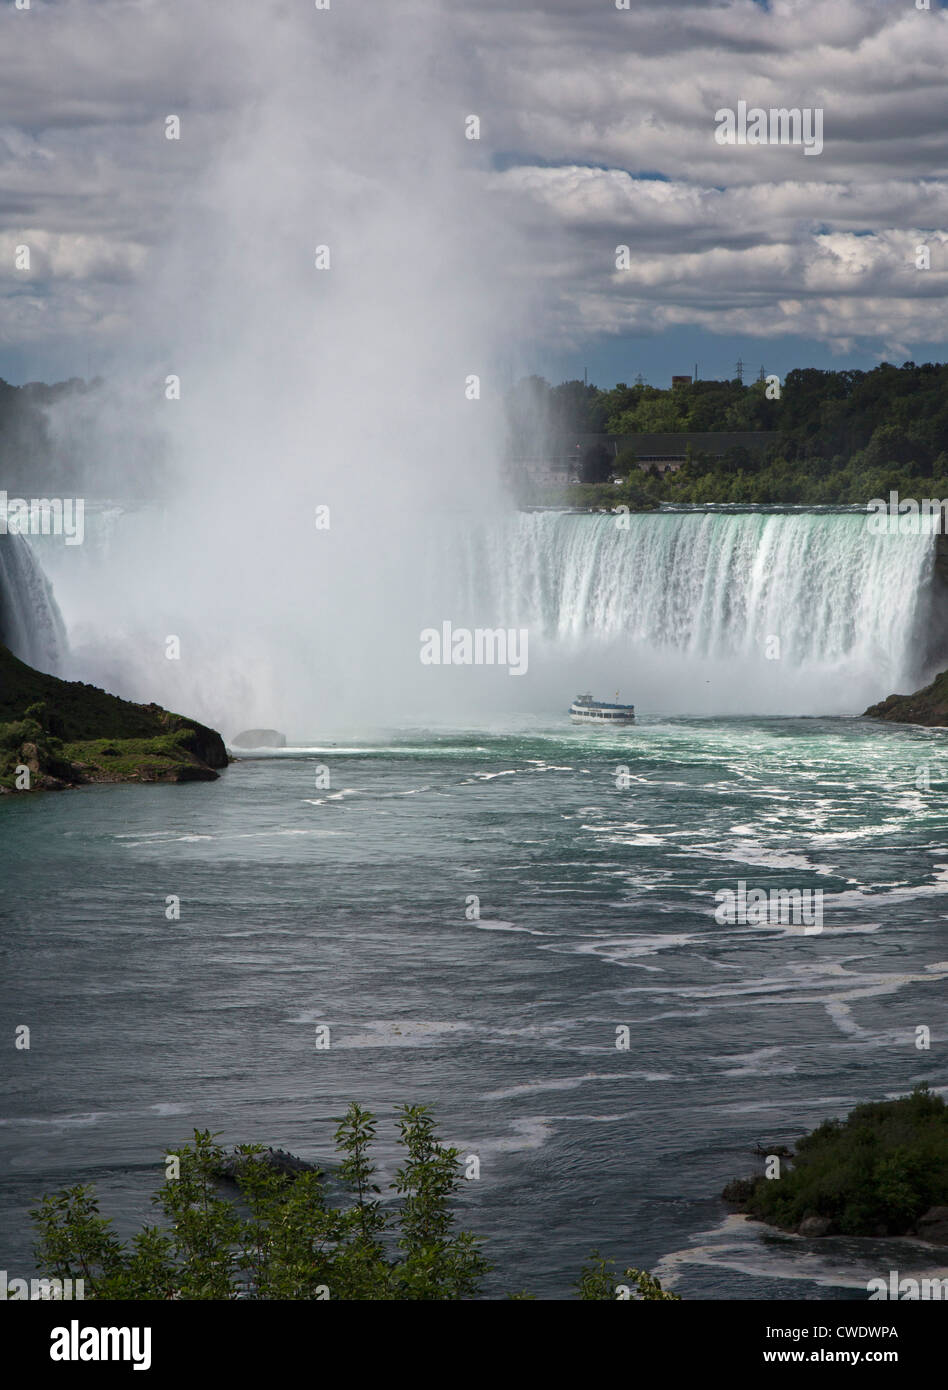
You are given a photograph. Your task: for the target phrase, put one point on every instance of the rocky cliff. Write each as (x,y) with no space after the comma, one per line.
(928,706)
(65,733)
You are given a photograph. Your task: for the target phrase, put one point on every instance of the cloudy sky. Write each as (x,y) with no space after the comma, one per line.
(597,129)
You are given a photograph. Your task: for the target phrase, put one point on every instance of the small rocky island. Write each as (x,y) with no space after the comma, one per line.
(883,1171)
(259,738)
(56,734)
(928,706)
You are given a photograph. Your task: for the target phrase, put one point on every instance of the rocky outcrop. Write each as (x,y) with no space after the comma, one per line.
(841,1180)
(933,1226)
(259,738)
(812,1226)
(928,706)
(31,759)
(277,1160)
(56,734)
(206,744)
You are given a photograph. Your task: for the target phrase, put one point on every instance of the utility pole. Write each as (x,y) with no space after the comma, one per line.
(740,370)
(640,380)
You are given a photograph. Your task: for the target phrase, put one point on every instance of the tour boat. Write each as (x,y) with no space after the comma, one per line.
(586,710)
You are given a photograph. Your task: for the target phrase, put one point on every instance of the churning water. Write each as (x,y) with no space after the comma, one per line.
(477,910)
(348,906)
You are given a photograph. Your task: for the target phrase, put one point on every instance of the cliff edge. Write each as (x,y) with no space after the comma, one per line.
(928,706)
(56,733)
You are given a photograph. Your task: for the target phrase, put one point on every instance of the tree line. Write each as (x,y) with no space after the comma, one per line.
(842,436)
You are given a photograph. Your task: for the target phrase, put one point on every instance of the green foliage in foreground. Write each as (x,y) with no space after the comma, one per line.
(599,1281)
(283,1240)
(874,1173)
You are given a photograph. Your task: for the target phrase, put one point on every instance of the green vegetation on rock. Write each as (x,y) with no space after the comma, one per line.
(67,733)
(876,1173)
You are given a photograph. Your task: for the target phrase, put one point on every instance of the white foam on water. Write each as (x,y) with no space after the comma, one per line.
(765,1061)
(386,1033)
(572,1083)
(529,1132)
(763,1252)
(487,925)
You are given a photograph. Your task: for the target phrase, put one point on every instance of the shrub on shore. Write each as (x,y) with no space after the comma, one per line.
(284,1240)
(876,1173)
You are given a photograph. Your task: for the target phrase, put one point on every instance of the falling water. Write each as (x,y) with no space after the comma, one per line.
(30,621)
(798,612)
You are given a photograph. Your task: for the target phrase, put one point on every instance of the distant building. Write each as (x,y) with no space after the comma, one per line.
(681,381)
(660,463)
(665,453)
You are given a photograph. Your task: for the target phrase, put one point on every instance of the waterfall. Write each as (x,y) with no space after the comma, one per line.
(30,622)
(691,612)
(803,611)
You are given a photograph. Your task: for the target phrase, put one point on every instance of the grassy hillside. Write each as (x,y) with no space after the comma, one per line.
(67,733)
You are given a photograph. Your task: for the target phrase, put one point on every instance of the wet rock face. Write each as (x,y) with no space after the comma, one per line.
(259,738)
(815,1226)
(933,1226)
(928,706)
(277,1160)
(206,744)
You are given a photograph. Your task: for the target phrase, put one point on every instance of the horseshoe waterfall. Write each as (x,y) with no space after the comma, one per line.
(717,612)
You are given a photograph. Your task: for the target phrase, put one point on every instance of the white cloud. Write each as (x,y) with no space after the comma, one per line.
(578,97)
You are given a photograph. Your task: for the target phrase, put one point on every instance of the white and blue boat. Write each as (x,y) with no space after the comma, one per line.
(586,710)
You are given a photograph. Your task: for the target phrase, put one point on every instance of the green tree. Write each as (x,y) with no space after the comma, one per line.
(599,1282)
(281,1238)
(875,1173)
(287,1242)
